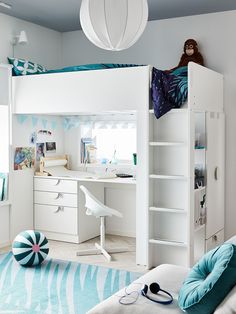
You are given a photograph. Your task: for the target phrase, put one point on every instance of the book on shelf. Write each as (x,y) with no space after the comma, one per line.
(87,150)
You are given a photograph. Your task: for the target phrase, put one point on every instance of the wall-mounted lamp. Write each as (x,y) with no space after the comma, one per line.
(20,39)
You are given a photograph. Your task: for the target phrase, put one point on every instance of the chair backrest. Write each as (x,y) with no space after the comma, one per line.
(97,208)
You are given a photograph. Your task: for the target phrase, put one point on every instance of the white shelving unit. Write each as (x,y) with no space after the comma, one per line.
(184,221)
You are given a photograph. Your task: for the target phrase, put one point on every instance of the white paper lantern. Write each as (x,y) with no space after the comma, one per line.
(113,24)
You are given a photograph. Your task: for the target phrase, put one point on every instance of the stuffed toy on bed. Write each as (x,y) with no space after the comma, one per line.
(191,53)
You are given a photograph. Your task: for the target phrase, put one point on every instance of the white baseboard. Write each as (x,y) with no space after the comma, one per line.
(121,233)
(60,237)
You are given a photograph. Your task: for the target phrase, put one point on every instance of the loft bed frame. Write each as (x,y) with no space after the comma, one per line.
(112,90)
(123,89)
(120,89)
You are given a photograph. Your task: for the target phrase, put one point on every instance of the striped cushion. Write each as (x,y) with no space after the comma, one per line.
(30,248)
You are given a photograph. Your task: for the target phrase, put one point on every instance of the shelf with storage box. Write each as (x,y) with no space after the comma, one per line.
(186,175)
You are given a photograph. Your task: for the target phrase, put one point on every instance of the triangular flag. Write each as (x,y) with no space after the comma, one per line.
(66,123)
(44,123)
(22,118)
(34,121)
(54,124)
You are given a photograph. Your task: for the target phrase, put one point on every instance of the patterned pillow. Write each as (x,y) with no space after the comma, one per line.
(24,67)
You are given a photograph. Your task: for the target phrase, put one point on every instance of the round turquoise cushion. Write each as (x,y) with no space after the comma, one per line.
(30,248)
(209,281)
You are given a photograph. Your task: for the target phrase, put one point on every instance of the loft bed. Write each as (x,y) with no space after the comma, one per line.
(107,90)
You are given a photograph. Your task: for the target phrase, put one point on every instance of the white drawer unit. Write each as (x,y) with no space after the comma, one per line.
(60,219)
(215,240)
(59,210)
(55,198)
(55,185)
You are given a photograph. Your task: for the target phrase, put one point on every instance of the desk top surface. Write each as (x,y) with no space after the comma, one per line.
(98,180)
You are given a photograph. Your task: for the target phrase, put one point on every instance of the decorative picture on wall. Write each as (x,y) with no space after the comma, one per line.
(39,151)
(50,147)
(45,132)
(3,186)
(24,158)
(33,138)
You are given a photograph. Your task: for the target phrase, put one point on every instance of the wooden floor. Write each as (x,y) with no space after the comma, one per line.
(67,251)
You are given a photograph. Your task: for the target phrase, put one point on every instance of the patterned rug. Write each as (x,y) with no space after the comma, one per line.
(58,287)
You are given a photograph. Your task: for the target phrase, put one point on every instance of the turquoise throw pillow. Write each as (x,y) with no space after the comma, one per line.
(209,281)
(24,67)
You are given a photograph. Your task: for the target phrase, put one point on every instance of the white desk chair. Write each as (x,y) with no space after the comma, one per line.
(99,210)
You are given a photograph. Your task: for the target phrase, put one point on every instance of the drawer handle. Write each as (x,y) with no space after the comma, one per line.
(59,195)
(215,238)
(59,208)
(58,182)
(216,173)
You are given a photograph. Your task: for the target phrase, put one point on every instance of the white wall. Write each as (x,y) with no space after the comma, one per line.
(44,45)
(161,46)
(72,146)
(121,197)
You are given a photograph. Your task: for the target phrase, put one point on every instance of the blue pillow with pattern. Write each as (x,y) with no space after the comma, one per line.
(25,67)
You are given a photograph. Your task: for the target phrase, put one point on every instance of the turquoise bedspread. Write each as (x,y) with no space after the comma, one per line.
(88,67)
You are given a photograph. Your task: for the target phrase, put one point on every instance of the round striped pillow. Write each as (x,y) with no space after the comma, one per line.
(30,248)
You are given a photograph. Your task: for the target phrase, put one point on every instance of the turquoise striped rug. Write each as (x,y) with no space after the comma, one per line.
(58,287)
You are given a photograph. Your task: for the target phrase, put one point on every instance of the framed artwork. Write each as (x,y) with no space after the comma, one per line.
(50,147)
(39,151)
(24,158)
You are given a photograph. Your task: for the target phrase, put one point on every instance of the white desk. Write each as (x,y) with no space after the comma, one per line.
(59,206)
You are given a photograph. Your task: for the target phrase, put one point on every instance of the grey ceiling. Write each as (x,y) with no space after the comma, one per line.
(63,15)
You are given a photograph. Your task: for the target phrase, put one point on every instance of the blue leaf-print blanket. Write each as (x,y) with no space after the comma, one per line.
(91,67)
(169,90)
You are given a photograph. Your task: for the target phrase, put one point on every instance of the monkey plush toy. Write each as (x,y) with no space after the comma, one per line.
(191,53)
